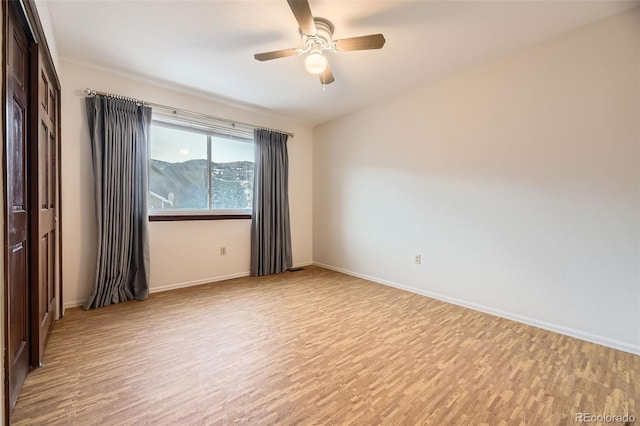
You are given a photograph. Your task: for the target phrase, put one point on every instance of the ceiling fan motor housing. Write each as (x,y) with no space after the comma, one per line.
(323,36)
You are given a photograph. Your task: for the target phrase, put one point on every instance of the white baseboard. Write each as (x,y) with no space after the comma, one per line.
(567,331)
(167,287)
(73,304)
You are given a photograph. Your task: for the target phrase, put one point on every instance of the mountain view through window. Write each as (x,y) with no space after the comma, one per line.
(197,170)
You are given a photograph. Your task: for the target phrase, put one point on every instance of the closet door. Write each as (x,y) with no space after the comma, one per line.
(17,206)
(44,221)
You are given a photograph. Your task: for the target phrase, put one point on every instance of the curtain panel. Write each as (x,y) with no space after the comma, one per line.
(270,226)
(119,131)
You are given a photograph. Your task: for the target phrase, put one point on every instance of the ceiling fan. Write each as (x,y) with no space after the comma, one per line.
(317,37)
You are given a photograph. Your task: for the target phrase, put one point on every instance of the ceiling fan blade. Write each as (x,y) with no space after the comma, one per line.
(302,12)
(266,56)
(373,41)
(327,76)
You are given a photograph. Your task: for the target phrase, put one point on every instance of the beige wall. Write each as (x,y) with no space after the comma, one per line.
(517,180)
(182,253)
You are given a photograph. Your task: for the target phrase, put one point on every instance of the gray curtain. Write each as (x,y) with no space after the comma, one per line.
(119,132)
(270,227)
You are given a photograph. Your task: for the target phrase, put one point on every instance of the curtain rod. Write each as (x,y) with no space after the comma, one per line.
(91,92)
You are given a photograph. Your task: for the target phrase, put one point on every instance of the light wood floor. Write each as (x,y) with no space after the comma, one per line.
(316,347)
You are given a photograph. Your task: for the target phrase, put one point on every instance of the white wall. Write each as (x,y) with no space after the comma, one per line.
(47,28)
(182,253)
(517,180)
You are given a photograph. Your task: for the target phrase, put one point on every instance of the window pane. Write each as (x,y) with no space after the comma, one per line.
(178,169)
(231,174)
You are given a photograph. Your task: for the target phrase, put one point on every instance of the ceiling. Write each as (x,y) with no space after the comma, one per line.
(209,45)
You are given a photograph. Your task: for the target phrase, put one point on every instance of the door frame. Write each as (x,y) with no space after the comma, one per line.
(27,12)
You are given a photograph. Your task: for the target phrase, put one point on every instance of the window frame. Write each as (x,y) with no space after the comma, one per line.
(211,132)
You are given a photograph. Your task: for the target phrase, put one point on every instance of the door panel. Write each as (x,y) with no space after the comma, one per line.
(16,155)
(51,264)
(18,256)
(43,91)
(18,299)
(43,278)
(43,164)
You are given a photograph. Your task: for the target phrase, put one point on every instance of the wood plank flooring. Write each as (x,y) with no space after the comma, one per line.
(316,347)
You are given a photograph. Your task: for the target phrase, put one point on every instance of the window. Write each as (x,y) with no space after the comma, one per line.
(195,170)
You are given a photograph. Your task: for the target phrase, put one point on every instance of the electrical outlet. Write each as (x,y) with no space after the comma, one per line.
(417,259)
(223,251)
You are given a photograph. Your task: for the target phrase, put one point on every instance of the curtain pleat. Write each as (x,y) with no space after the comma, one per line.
(270,226)
(119,136)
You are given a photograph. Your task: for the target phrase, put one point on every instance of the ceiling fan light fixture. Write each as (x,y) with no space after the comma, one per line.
(315,63)
(317,36)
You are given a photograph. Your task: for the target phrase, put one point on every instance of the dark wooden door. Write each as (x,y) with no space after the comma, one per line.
(17,206)
(44,172)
